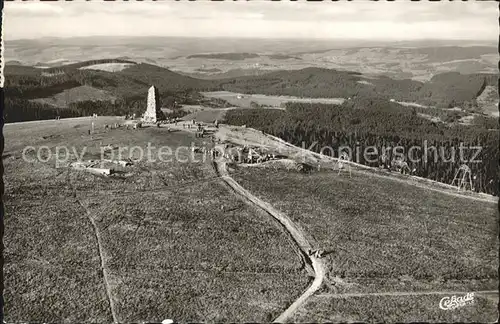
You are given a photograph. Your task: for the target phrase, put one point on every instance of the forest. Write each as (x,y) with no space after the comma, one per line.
(130,86)
(445,90)
(385,126)
(16,110)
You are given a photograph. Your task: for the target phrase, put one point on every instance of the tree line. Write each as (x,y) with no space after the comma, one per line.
(445,90)
(17,110)
(381,127)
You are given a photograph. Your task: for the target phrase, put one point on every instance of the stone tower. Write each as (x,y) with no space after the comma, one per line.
(153,112)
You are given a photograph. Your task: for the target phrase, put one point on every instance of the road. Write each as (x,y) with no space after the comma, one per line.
(297,235)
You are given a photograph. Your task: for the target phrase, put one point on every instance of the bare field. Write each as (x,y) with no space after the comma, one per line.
(170,250)
(207,115)
(108,67)
(81,93)
(380,235)
(272,101)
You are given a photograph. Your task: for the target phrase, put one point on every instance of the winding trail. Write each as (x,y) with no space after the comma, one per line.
(103,264)
(297,235)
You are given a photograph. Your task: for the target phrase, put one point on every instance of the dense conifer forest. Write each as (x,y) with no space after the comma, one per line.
(445,90)
(385,126)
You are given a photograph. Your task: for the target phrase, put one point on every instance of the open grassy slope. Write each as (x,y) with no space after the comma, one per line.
(367,226)
(394,244)
(168,248)
(52,267)
(384,236)
(176,254)
(207,115)
(245,101)
(81,93)
(108,67)
(397,309)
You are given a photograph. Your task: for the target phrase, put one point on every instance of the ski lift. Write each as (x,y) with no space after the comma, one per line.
(463,178)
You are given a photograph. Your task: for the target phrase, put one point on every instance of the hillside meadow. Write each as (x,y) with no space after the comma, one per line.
(397,309)
(384,236)
(174,241)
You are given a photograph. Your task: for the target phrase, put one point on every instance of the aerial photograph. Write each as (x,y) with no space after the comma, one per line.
(250,162)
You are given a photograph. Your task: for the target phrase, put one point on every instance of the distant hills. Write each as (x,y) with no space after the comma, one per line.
(451,53)
(240,56)
(429,54)
(127,88)
(225,56)
(418,60)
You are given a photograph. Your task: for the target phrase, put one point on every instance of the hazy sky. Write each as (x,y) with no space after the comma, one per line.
(401,20)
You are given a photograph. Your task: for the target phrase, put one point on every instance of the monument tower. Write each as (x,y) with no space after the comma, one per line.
(153,112)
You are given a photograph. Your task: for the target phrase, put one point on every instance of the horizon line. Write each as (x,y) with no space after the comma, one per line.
(372,40)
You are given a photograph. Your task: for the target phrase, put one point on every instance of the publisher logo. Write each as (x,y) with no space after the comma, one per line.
(449,303)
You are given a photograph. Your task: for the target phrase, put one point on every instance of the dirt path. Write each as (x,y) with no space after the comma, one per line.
(408,293)
(297,235)
(319,269)
(103,265)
